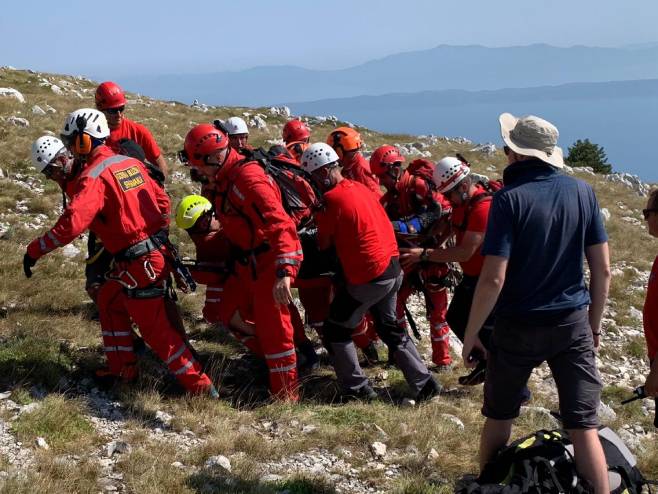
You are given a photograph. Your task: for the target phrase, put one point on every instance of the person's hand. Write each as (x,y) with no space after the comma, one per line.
(281,291)
(651,384)
(473,351)
(28,264)
(596,336)
(409,257)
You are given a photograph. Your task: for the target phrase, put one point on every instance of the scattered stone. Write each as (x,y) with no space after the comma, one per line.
(41,443)
(164,417)
(50,109)
(433,455)
(308,429)
(118,447)
(635,313)
(488,149)
(606,413)
(70,251)
(37,110)
(6,394)
(455,420)
(29,408)
(605,214)
(633,182)
(178,464)
(220,461)
(271,477)
(381,432)
(258,122)
(10,92)
(378,449)
(283,111)
(56,89)
(18,121)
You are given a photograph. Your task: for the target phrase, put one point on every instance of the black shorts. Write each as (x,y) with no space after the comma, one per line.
(567,346)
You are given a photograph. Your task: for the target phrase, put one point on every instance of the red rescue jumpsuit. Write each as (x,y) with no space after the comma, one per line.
(248,205)
(412,196)
(223,293)
(117,200)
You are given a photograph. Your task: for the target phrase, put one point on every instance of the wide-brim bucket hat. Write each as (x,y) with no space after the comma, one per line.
(532,136)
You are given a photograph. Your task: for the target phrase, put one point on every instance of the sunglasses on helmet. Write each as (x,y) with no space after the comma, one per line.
(647,212)
(115,111)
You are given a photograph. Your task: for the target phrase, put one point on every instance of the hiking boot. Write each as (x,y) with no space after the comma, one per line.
(429,391)
(476,376)
(307,359)
(364,393)
(371,354)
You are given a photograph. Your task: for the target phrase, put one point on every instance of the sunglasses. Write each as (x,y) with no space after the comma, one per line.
(50,170)
(115,111)
(646,212)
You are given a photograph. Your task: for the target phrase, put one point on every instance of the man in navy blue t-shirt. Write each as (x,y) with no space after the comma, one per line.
(542,225)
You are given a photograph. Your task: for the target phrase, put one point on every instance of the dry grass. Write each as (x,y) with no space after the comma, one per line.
(47,334)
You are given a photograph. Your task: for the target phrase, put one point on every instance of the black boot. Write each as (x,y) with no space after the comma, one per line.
(429,391)
(364,393)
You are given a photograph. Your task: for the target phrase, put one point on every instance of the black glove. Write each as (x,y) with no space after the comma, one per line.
(28,263)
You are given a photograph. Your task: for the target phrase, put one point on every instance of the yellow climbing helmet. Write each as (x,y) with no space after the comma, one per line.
(190,209)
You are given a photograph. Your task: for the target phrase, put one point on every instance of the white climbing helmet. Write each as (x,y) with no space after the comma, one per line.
(318,155)
(44,150)
(88,121)
(448,173)
(235,125)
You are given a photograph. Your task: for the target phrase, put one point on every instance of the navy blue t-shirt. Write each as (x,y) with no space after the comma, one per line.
(542,221)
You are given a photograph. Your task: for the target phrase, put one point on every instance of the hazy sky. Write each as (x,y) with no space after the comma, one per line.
(120,37)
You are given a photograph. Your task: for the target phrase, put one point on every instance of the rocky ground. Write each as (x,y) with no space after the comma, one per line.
(151,439)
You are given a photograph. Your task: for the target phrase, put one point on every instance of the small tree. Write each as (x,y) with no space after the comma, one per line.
(586,153)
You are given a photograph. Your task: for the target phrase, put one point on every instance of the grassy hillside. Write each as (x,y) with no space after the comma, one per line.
(148,438)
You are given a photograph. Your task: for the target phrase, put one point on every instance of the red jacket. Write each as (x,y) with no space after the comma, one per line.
(358,169)
(248,205)
(357,225)
(138,133)
(412,195)
(114,197)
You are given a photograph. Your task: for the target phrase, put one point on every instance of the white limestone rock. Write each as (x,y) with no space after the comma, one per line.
(10,92)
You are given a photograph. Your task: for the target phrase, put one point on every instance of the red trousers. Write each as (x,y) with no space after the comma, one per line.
(117,312)
(223,299)
(436,305)
(274,328)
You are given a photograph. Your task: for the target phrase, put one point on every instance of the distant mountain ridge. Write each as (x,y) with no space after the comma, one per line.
(621,115)
(443,67)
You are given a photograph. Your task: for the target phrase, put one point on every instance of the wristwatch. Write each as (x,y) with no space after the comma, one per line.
(425,255)
(283,273)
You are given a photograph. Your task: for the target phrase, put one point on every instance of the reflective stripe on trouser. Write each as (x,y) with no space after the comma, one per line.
(436,309)
(116,330)
(274,329)
(157,330)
